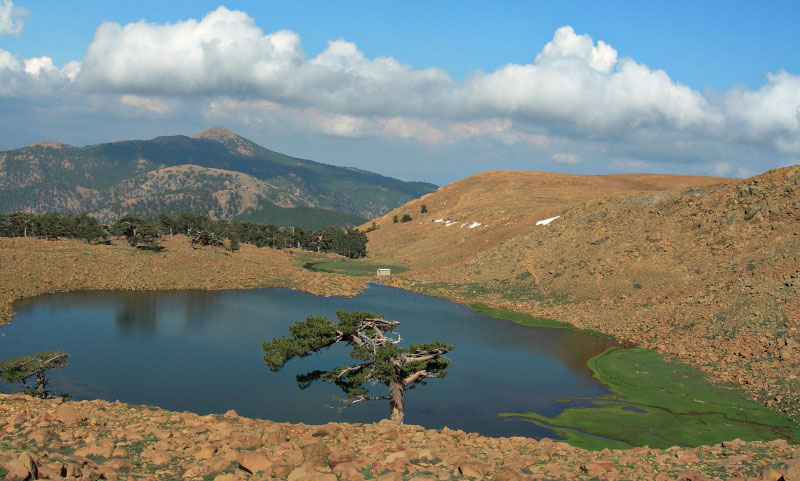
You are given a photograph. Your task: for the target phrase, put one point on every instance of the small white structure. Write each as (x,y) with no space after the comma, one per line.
(384,273)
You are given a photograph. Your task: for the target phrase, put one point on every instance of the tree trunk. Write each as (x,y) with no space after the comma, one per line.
(41,380)
(396,401)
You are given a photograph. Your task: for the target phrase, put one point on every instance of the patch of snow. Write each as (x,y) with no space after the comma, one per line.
(474,225)
(547,221)
(439,220)
(465,223)
(449,223)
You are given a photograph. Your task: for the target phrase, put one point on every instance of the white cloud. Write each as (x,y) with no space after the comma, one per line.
(563,158)
(37,66)
(11,18)
(575,87)
(566,45)
(338,125)
(8,62)
(33,78)
(225,53)
(408,128)
(771,114)
(579,86)
(578,95)
(148,104)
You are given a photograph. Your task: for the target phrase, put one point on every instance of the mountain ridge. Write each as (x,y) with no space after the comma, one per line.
(108,180)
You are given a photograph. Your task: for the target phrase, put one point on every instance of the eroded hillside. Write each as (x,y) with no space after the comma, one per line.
(702,268)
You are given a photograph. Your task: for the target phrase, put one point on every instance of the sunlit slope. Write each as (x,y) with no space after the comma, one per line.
(704,268)
(506,204)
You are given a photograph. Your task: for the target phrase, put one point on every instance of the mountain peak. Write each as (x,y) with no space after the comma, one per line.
(218,133)
(50,144)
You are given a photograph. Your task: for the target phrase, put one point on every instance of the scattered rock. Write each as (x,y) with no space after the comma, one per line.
(253,461)
(22,468)
(68,414)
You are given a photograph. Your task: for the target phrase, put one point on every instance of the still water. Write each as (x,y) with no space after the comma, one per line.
(200,351)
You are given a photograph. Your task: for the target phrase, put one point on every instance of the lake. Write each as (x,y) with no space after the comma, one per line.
(200,351)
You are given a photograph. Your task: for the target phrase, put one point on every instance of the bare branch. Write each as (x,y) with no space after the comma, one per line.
(421,356)
(351,369)
(417,376)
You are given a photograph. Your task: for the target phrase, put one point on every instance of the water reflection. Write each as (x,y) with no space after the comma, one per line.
(195,350)
(137,314)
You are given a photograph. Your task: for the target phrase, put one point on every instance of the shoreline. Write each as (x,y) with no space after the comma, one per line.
(114,440)
(565,428)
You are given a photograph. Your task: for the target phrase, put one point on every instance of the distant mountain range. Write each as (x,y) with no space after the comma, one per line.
(215,173)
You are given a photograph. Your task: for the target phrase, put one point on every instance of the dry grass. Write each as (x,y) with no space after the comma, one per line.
(701,268)
(29,267)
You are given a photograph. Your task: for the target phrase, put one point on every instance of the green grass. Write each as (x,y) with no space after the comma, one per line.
(526,320)
(661,404)
(348,267)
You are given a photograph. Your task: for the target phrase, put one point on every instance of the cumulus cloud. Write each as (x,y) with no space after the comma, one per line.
(771,114)
(225,53)
(575,84)
(572,84)
(11,18)
(576,90)
(33,77)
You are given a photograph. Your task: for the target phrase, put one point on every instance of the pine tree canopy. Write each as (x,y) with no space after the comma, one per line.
(380,360)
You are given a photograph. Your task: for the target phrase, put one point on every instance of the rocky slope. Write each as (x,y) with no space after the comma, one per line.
(101,440)
(703,269)
(215,173)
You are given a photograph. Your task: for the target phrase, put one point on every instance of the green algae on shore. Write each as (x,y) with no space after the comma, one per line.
(348,267)
(660,404)
(527,320)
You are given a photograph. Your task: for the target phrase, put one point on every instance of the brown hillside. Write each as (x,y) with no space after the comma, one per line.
(506,204)
(703,268)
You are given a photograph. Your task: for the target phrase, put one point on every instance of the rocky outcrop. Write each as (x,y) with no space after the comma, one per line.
(101,440)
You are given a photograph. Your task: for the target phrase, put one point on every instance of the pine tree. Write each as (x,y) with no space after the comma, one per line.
(375,347)
(19,369)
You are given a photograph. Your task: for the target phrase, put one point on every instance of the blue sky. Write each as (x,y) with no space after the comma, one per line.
(680,87)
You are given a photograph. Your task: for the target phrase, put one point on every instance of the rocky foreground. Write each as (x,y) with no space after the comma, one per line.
(102,440)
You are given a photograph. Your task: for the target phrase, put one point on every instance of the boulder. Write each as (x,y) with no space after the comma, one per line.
(68,414)
(771,474)
(240,440)
(253,461)
(316,454)
(792,470)
(18,419)
(281,470)
(40,436)
(338,457)
(473,469)
(157,457)
(22,468)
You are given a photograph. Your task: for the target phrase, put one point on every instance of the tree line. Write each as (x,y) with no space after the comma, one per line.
(146,233)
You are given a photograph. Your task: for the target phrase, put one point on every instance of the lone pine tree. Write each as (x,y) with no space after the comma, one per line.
(19,369)
(375,346)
